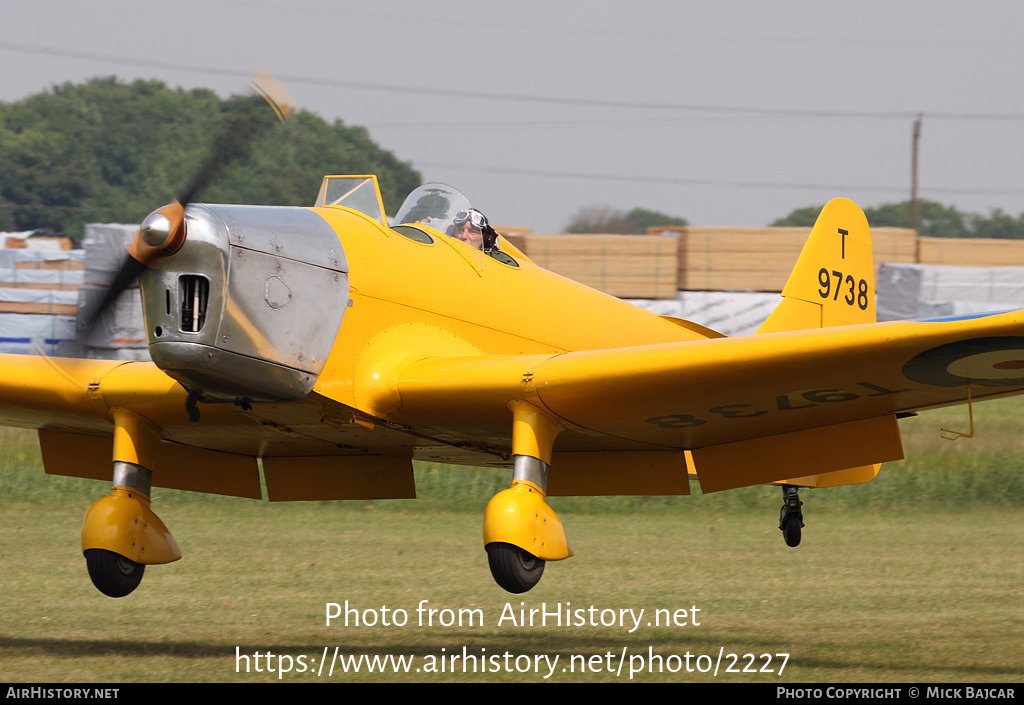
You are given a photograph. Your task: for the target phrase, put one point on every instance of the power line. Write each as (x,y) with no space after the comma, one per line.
(515,97)
(680,181)
(649,31)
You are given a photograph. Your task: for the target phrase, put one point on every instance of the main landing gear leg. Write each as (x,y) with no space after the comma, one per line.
(521,532)
(791,519)
(121,534)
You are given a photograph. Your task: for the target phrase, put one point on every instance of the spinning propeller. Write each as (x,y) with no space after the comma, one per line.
(162,233)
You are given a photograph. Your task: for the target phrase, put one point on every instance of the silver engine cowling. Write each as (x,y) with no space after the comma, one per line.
(250,306)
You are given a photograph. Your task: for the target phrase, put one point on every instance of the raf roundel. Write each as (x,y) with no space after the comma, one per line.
(989,362)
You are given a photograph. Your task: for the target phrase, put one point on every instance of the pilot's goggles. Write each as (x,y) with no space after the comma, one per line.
(475,218)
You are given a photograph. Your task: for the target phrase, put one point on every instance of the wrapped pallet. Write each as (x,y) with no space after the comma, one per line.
(35,334)
(39,280)
(52,279)
(728,312)
(120,326)
(912,291)
(119,332)
(27,240)
(38,301)
(106,245)
(57,260)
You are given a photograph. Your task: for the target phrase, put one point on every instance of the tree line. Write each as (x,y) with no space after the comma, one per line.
(110,151)
(933,220)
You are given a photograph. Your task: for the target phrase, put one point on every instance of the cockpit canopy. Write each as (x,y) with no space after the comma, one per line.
(359,193)
(434,205)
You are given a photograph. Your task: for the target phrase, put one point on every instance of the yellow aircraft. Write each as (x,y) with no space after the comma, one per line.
(335,348)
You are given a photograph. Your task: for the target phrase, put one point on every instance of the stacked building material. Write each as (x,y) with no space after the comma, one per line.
(696,273)
(760,259)
(627,266)
(973,252)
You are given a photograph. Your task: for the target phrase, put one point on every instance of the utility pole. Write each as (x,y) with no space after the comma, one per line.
(913,173)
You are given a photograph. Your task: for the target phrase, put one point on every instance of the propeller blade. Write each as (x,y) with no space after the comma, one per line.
(247,124)
(163,232)
(130,270)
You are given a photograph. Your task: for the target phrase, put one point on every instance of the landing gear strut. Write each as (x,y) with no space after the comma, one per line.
(791,519)
(521,532)
(121,535)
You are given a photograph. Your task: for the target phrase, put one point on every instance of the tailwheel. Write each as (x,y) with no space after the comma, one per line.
(791,530)
(791,518)
(111,573)
(513,568)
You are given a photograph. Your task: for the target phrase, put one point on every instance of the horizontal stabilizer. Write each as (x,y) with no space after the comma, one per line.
(849,476)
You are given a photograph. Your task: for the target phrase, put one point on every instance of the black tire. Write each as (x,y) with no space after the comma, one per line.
(111,573)
(791,530)
(513,568)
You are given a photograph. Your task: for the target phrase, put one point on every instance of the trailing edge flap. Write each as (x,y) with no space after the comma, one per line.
(581,474)
(339,477)
(812,451)
(833,282)
(175,466)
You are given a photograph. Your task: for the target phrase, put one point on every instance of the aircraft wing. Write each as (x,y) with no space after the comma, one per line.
(70,393)
(751,409)
(72,402)
(310,448)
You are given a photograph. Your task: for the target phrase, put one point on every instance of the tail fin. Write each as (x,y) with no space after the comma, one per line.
(833,282)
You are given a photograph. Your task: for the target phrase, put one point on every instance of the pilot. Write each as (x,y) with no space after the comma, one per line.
(471,227)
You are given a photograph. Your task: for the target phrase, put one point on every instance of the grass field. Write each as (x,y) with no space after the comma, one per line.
(915,577)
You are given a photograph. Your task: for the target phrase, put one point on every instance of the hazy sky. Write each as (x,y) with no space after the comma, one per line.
(725,113)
